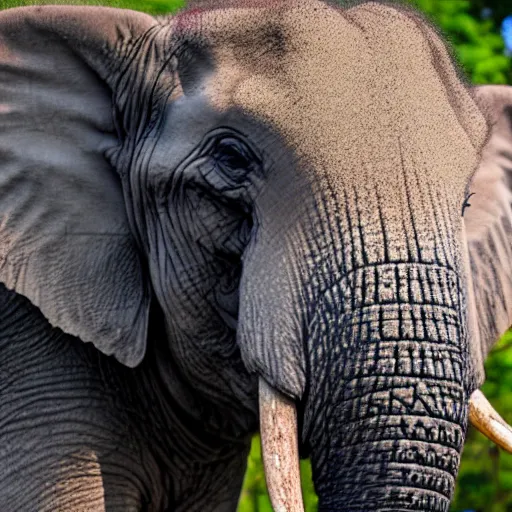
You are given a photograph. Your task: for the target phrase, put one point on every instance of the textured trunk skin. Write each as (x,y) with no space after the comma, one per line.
(389,407)
(393,459)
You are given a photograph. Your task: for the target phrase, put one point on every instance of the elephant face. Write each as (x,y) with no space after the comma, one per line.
(291,182)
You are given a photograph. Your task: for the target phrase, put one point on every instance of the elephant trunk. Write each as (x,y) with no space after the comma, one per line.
(391,458)
(386,411)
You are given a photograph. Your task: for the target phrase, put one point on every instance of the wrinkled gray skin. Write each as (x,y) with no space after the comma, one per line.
(275,191)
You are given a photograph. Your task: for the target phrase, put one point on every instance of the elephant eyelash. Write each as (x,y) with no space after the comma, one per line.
(466,204)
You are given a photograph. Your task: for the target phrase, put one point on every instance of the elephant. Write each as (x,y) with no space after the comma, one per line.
(292,217)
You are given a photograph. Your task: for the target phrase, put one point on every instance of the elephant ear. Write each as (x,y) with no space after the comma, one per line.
(65,241)
(488,220)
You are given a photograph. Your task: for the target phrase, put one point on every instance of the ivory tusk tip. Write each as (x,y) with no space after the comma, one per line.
(486,420)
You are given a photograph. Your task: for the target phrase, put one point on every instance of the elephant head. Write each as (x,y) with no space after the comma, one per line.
(293,184)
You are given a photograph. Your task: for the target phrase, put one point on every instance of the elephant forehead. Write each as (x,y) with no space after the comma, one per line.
(345,87)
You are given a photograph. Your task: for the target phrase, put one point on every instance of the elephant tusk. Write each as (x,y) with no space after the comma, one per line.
(279,440)
(485,419)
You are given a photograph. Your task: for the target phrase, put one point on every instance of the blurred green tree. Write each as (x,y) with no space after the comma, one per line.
(477,42)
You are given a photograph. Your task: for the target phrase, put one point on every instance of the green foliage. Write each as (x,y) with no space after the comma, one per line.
(478,44)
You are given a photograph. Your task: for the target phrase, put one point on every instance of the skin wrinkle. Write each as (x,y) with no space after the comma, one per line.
(122,471)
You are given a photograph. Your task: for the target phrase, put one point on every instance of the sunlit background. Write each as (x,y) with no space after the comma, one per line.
(480,32)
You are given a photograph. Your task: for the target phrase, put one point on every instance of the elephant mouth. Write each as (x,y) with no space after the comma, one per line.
(279,438)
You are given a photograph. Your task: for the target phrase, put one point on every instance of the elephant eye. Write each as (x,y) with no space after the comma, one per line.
(232,154)
(229,162)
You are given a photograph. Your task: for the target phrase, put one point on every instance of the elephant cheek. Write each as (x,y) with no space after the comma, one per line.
(387,410)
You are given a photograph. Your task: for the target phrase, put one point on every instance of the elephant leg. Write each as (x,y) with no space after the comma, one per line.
(69,438)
